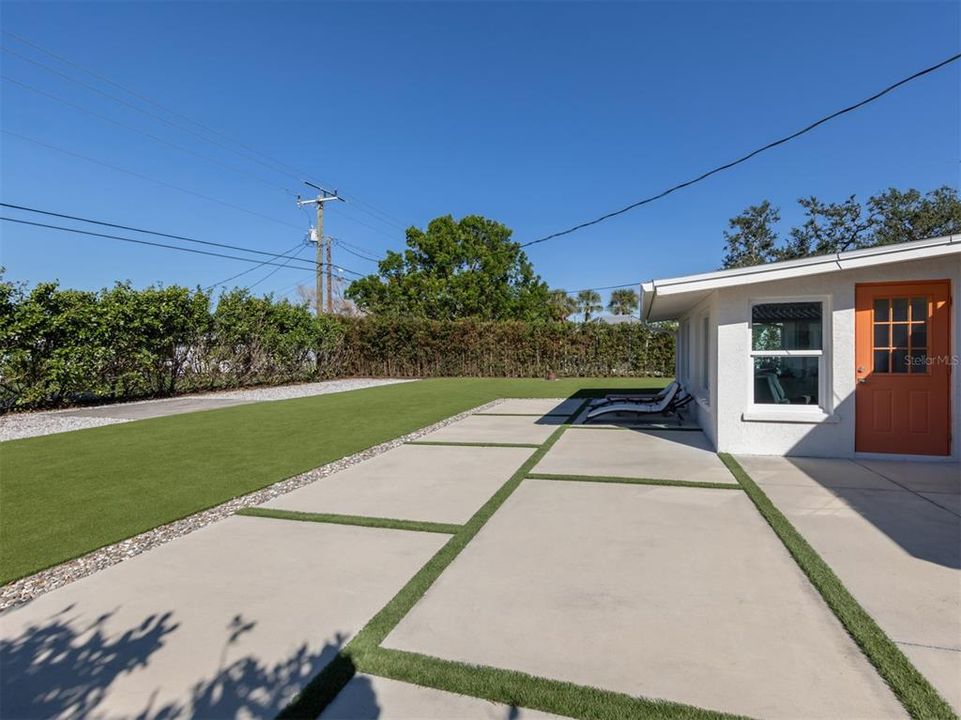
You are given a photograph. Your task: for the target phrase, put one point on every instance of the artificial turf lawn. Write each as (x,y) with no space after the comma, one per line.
(67,494)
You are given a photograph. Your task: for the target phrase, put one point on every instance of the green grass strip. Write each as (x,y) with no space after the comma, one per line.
(914,691)
(472,444)
(324,688)
(333,518)
(364,653)
(528,691)
(634,481)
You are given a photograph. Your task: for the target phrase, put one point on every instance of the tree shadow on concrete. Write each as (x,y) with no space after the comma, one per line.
(64,668)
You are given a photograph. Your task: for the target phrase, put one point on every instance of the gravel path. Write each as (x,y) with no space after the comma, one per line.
(23,425)
(287,392)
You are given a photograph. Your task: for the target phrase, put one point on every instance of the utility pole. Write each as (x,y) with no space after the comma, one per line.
(330,284)
(324,253)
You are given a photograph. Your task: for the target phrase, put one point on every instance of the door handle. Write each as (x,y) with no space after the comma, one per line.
(862,380)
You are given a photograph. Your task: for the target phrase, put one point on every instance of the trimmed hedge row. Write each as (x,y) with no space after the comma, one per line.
(61,347)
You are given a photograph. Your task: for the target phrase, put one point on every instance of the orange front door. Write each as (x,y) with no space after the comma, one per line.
(903,368)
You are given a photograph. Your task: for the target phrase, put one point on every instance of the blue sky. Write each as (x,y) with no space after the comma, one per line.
(539,115)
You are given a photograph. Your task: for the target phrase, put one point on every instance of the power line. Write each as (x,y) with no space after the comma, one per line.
(254,284)
(251,269)
(745,158)
(148,178)
(286,169)
(133,129)
(139,242)
(104,223)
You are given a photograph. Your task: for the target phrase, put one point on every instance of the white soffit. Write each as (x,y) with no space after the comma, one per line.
(667,298)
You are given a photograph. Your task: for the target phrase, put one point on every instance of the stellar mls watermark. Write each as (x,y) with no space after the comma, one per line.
(929,360)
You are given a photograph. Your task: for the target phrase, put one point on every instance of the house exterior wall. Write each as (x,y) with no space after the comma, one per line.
(725,409)
(697,365)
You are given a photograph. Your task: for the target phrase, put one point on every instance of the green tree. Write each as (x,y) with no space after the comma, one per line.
(624,301)
(892,216)
(751,236)
(589,303)
(909,215)
(562,305)
(467,268)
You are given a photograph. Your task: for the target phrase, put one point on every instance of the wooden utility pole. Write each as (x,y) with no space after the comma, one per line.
(319,230)
(324,253)
(330,284)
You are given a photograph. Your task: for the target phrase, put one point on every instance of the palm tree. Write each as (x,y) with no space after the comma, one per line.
(562,304)
(589,303)
(623,302)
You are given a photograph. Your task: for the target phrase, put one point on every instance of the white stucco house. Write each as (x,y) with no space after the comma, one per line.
(846,355)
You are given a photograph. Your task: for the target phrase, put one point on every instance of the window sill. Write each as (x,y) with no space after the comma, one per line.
(795,414)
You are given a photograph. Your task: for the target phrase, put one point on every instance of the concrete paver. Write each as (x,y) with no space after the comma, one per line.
(683,594)
(659,454)
(229,621)
(898,552)
(367,697)
(434,483)
(537,406)
(497,429)
(934,477)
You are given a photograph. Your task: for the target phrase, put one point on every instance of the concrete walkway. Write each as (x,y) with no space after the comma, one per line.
(892,533)
(675,593)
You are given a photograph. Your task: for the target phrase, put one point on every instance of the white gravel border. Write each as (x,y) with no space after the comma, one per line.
(32,586)
(16,426)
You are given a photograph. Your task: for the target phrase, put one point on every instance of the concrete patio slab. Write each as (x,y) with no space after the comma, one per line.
(229,621)
(949,501)
(683,594)
(834,473)
(367,697)
(497,429)
(935,477)
(433,483)
(898,552)
(536,406)
(661,454)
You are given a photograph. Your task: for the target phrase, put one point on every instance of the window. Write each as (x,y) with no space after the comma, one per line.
(900,335)
(787,347)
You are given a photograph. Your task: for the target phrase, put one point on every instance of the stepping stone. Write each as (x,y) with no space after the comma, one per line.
(497,429)
(681,594)
(433,483)
(230,621)
(536,406)
(659,454)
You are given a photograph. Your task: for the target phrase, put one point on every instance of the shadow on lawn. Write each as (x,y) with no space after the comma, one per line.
(65,667)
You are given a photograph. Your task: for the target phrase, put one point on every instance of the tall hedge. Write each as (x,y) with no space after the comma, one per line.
(60,346)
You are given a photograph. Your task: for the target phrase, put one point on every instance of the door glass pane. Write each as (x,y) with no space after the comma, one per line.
(899,309)
(919,335)
(881,361)
(918,361)
(899,335)
(881,310)
(882,335)
(899,361)
(919,309)
(786,380)
(786,326)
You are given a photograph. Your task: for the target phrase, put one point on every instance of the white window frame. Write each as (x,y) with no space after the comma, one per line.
(824,355)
